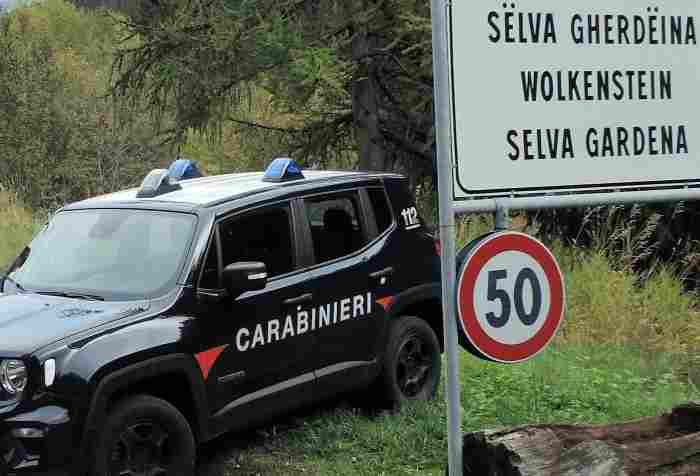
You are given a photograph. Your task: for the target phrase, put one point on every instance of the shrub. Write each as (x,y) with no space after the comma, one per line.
(59,135)
(641,238)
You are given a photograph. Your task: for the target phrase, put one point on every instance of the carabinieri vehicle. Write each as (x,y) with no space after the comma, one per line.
(139,324)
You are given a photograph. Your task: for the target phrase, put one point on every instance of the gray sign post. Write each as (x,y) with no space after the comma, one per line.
(443,127)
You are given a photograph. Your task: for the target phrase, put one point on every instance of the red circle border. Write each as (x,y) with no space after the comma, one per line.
(489,247)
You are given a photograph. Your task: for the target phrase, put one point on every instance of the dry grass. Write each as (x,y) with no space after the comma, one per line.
(608,306)
(17,226)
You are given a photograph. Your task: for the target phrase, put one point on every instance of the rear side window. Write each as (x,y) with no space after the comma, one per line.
(382,212)
(335,224)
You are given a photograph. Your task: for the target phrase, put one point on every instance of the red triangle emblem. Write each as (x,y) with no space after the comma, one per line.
(207,359)
(386,302)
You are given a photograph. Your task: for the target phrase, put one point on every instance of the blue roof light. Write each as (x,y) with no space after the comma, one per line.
(282,170)
(183,169)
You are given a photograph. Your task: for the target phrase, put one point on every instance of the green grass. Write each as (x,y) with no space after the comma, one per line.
(564,385)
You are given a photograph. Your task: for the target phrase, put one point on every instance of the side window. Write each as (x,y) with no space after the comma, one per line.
(335,224)
(382,212)
(264,236)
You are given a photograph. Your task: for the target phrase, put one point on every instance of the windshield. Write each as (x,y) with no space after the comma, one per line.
(118,254)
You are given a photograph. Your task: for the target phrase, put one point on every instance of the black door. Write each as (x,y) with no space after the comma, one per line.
(348,317)
(265,365)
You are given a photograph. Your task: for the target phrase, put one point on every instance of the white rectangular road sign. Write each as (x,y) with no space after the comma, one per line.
(564,96)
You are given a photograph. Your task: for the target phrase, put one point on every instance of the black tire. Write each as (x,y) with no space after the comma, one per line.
(411,363)
(159,436)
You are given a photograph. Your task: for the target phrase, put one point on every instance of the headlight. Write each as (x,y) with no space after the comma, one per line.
(13,376)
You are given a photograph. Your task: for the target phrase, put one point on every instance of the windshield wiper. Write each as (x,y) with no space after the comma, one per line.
(12,280)
(86,297)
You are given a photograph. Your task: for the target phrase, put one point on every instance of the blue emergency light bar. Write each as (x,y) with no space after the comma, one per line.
(184,169)
(283,170)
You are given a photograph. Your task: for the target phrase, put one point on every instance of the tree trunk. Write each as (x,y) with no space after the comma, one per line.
(365,107)
(667,445)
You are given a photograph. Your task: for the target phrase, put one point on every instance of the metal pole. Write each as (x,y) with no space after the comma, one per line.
(447,231)
(491,205)
(502,221)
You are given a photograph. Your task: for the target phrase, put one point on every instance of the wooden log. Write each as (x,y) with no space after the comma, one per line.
(666,445)
(593,458)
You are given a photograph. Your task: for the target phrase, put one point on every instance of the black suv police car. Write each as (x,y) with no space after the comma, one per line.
(139,324)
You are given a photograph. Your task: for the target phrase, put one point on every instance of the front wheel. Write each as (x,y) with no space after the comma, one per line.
(145,436)
(411,366)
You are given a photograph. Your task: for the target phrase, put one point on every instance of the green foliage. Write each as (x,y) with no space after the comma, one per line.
(58,136)
(640,238)
(243,146)
(193,66)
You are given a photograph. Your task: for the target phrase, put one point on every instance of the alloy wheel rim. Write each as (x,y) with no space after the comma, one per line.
(142,449)
(413,366)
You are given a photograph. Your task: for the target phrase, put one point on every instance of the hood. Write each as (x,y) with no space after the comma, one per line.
(31,321)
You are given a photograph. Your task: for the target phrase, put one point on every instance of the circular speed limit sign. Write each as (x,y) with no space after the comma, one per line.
(510,297)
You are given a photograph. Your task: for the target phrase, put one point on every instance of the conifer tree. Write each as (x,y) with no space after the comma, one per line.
(358,73)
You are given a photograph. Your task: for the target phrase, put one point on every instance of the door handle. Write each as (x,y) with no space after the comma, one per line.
(382,273)
(303,299)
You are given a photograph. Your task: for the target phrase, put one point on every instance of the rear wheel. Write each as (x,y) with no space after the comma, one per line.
(411,366)
(145,436)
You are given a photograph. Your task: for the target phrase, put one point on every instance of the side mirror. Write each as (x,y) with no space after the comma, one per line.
(243,277)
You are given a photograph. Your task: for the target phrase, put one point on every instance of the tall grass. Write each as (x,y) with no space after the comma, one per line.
(17,225)
(640,237)
(608,305)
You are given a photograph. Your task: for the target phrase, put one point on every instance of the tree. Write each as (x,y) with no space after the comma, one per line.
(58,138)
(358,74)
